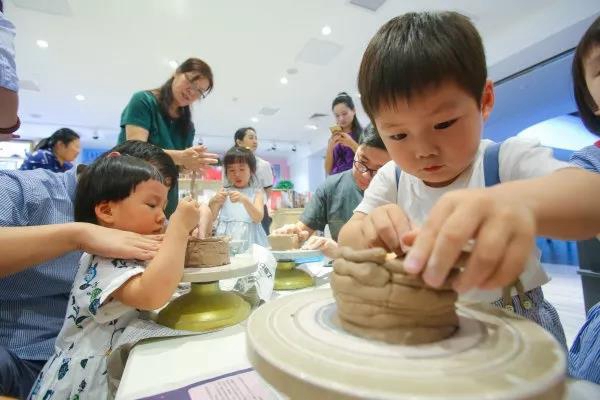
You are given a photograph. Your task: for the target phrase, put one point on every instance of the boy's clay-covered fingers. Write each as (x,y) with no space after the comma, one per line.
(516,256)
(487,253)
(390,224)
(370,274)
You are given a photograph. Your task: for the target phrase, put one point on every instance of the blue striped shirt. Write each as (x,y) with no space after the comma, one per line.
(33,302)
(584,356)
(46,159)
(588,157)
(8,69)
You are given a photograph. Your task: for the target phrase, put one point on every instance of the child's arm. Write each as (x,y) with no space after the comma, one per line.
(155,286)
(254,207)
(504,221)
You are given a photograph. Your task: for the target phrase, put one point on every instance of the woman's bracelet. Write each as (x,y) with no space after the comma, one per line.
(13,128)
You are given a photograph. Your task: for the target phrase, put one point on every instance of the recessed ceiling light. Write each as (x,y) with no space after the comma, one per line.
(42,43)
(254,119)
(311,127)
(326,30)
(80,97)
(173,64)
(283,80)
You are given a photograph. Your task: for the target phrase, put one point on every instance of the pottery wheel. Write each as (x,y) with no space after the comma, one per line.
(240,265)
(297,345)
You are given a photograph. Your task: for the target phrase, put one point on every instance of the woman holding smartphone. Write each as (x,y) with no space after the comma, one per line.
(344,136)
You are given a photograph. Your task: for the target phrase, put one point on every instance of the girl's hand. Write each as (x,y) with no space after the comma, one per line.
(220,197)
(504,232)
(186,215)
(236,197)
(196,158)
(204,223)
(326,245)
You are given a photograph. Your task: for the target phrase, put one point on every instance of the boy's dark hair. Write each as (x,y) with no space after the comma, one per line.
(418,51)
(239,155)
(344,98)
(371,138)
(240,134)
(585,102)
(152,154)
(110,178)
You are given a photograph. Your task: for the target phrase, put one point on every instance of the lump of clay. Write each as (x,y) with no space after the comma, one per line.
(378,300)
(209,252)
(284,241)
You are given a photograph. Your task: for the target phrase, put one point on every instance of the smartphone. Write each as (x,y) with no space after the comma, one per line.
(335,129)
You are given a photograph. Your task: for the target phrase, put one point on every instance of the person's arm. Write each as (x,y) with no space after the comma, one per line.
(9,105)
(329,155)
(155,286)
(27,246)
(299,228)
(9,86)
(254,207)
(216,202)
(504,221)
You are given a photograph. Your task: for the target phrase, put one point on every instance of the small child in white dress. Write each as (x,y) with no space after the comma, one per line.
(126,193)
(240,206)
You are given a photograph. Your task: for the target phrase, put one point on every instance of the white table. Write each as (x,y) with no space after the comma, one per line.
(168,364)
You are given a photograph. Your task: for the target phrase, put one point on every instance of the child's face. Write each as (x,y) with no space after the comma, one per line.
(238,174)
(435,136)
(143,211)
(591,68)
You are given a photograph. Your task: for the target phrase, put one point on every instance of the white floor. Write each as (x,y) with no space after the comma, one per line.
(565,293)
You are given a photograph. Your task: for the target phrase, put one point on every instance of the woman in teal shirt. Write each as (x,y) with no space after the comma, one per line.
(163,117)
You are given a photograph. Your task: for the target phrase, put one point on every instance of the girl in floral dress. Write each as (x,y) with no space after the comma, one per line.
(125,193)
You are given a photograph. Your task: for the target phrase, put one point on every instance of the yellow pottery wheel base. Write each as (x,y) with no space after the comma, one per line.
(287,277)
(204,308)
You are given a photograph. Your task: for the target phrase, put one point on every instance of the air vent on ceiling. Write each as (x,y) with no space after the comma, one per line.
(372,5)
(318,115)
(319,52)
(29,85)
(55,7)
(268,111)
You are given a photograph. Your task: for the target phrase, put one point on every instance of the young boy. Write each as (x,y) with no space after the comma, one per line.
(423,82)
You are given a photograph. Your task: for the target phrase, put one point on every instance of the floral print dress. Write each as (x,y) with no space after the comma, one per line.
(93,324)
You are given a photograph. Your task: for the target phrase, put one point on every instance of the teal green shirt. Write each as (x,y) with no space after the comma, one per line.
(333,203)
(143,110)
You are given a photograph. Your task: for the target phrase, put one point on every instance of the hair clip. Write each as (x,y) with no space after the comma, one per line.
(113,154)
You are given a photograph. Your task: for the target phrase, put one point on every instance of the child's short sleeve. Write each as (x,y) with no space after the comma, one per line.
(382,190)
(100,279)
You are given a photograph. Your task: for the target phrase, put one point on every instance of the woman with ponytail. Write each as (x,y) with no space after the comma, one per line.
(163,117)
(55,153)
(344,136)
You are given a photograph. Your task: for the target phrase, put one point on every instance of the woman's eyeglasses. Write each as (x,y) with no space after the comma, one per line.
(362,168)
(191,87)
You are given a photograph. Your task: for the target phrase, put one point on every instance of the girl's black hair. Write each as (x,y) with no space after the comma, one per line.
(110,178)
(165,92)
(344,98)
(239,155)
(585,102)
(64,135)
(240,134)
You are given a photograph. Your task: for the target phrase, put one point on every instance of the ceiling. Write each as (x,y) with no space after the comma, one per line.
(106,50)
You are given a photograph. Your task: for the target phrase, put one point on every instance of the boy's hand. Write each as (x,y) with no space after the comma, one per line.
(326,245)
(186,215)
(504,233)
(384,227)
